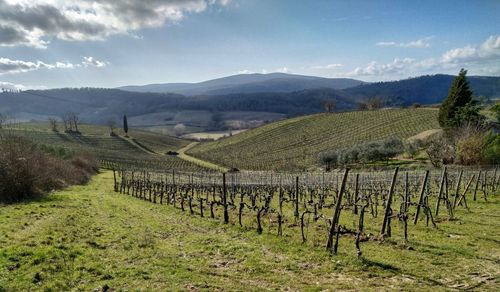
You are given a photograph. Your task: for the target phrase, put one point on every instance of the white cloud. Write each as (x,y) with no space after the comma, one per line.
(486,56)
(398,66)
(283,70)
(35,22)
(245,71)
(19,87)
(420,43)
(488,50)
(8,66)
(90,61)
(326,67)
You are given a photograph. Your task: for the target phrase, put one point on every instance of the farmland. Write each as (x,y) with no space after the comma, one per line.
(89,237)
(295,143)
(143,149)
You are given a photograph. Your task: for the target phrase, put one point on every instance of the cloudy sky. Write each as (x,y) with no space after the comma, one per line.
(108,43)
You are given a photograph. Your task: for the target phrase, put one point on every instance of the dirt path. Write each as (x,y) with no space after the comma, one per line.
(182,154)
(425,134)
(203,163)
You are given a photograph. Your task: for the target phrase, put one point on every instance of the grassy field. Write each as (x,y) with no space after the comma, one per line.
(88,237)
(143,149)
(295,143)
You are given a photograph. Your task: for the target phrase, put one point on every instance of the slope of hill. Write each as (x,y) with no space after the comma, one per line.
(428,89)
(294,144)
(143,149)
(98,105)
(248,83)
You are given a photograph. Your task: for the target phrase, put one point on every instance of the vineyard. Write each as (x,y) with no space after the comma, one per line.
(143,150)
(296,143)
(318,209)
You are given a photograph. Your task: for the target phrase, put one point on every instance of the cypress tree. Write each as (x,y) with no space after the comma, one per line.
(459,96)
(125,124)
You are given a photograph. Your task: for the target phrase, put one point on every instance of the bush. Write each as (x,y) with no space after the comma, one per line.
(28,170)
(491,152)
(469,148)
(368,152)
(441,150)
(411,147)
(329,159)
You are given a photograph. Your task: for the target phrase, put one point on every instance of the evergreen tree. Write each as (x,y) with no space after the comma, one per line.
(125,125)
(459,96)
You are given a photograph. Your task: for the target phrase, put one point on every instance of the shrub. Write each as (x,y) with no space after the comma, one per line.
(411,147)
(491,152)
(469,148)
(368,152)
(441,151)
(27,169)
(329,159)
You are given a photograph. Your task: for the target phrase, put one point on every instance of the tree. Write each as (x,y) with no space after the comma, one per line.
(459,95)
(74,120)
(53,124)
(71,121)
(179,129)
(125,125)
(3,119)
(375,103)
(329,106)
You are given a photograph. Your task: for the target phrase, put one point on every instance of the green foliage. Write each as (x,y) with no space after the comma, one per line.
(469,148)
(459,96)
(491,152)
(469,115)
(59,152)
(363,153)
(412,147)
(496,110)
(125,124)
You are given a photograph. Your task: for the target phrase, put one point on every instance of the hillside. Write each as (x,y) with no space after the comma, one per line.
(142,149)
(429,89)
(295,143)
(278,96)
(248,83)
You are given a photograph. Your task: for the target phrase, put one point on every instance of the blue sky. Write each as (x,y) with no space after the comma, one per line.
(106,43)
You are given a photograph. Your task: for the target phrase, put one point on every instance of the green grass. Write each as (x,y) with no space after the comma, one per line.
(294,144)
(88,237)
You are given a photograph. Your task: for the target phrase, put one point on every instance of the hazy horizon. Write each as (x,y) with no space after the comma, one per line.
(52,44)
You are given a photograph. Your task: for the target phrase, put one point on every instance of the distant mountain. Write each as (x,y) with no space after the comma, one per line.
(429,89)
(254,93)
(248,83)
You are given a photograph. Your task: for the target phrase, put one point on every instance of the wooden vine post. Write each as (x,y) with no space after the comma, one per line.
(387,213)
(336,214)
(296,213)
(224,198)
(440,193)
(421,198)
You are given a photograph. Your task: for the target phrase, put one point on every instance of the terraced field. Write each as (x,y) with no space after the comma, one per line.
(294,144)
(142,150)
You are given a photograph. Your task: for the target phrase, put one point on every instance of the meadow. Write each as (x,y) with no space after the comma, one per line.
(92,238)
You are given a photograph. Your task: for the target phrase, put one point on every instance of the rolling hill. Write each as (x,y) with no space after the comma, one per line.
(272,94)
(248,83)
(295,143)
(429,89)
(143,149)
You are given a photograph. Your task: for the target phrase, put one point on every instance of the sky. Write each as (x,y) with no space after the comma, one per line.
(109,43)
